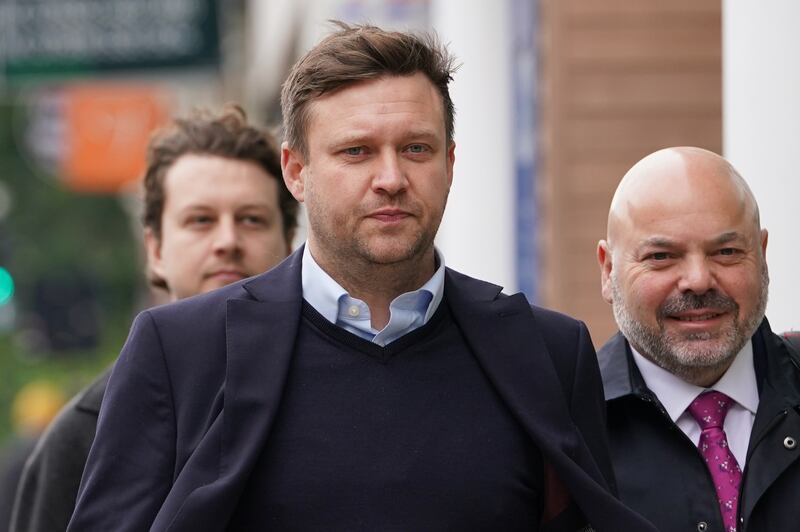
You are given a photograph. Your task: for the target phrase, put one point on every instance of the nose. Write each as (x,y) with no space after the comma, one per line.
(696,276)
(389,177)
(226,237)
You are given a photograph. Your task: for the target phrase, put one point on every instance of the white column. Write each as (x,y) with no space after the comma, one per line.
(477,234)
(761,117)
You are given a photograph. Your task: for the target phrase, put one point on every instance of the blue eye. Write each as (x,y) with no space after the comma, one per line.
(354,151)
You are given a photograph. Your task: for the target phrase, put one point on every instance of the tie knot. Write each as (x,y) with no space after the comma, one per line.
(710,408)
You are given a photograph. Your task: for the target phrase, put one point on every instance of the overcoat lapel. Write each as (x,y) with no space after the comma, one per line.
(260,336)
(777,418)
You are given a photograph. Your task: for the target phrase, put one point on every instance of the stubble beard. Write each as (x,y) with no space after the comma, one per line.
(360,258)
(692,356)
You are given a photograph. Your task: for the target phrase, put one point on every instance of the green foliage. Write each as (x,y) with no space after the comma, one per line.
(52,232)
(70,373)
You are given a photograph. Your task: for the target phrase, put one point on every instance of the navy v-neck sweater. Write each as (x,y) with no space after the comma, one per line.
(410,436)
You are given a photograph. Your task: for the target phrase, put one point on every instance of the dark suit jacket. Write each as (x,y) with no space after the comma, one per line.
(49,484)
(661,474)
(194,394)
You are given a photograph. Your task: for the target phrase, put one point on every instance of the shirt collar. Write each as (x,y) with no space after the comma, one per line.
(319,288)
(323,293)
(675,394)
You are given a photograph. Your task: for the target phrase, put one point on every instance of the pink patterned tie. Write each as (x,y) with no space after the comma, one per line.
(709,409)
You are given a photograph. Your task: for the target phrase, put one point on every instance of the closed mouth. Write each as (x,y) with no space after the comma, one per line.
(227,273)
(389,215)
(703,317)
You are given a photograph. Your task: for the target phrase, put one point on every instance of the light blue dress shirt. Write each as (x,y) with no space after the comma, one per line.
(407,311)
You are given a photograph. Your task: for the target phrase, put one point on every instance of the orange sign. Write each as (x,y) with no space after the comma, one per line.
(107,127)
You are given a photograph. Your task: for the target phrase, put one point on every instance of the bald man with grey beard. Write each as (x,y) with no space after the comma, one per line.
(702,397)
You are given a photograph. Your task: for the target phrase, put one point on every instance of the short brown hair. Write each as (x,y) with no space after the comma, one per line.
(226,135)
(358,53)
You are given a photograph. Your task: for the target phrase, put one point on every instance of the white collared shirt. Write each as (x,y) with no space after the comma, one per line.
(738,383)
(407,311)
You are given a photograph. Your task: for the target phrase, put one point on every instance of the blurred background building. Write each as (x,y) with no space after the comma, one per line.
(555,100)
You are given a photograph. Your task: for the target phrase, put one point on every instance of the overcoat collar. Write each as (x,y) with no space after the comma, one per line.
(771,359)
(772,363)
(620,373)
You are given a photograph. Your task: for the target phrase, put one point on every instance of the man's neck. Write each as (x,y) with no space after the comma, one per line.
(378,285)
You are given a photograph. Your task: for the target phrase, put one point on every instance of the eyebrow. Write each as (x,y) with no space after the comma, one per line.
(728,236)
(657,242)
(193,207)
(423,133)
(361,137)
(663,242)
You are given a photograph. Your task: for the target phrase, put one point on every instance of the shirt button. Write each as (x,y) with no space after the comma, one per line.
(702,526)
(353,310)
(789,442)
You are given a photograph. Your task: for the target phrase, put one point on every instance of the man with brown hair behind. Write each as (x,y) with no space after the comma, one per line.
(359,385)
(216,211)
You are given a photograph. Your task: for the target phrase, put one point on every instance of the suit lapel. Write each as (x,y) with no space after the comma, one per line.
(260,336)
(512,352)
(777,418)
(499,331)
(257,366)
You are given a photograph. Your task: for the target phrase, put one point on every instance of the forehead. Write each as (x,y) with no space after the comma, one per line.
(683,204)
(377,104)
(212,180)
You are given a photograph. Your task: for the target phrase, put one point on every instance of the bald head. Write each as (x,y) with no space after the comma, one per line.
(684,263)
(675,176)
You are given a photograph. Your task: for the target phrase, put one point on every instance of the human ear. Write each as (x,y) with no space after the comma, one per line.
(451,159)
(292,166)
(605,263)
(152,246)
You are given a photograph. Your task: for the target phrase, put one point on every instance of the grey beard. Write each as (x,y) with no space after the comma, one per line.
(685,356)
